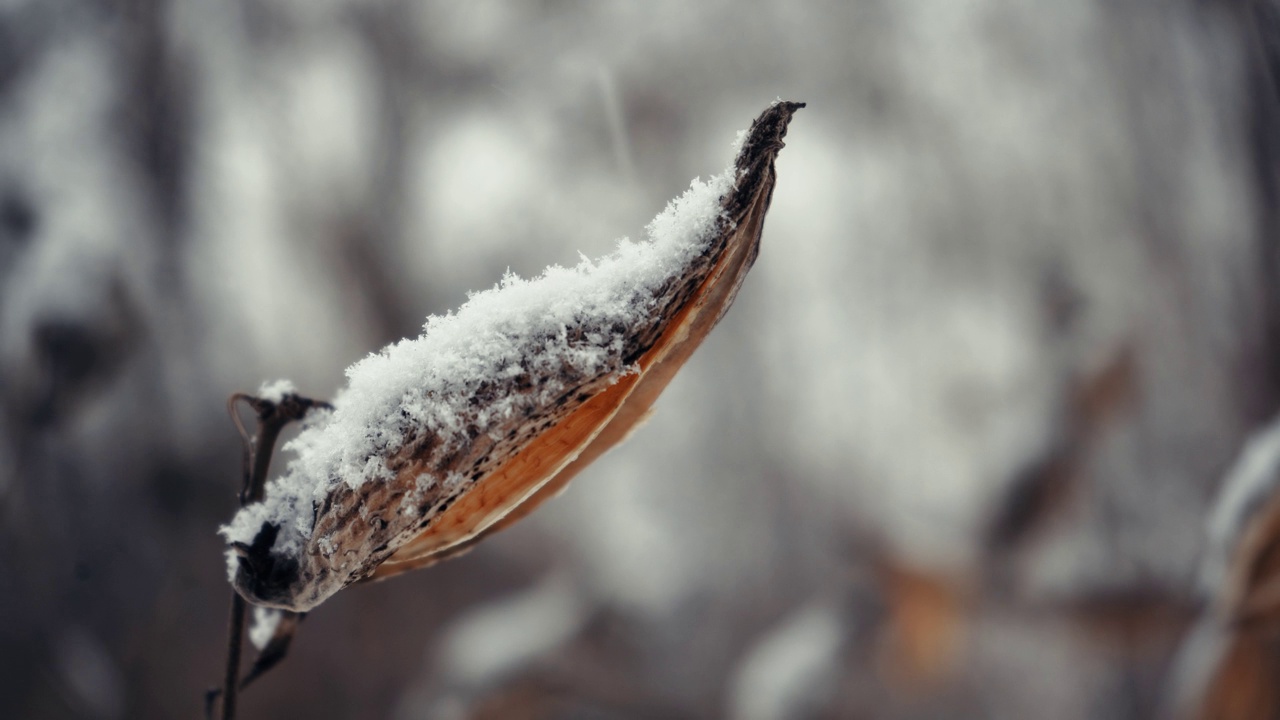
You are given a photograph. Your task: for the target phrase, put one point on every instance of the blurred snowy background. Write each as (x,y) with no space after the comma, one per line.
(950,455)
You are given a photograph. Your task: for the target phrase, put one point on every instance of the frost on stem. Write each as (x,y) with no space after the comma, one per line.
(265,622)
(438,440)
(275,391)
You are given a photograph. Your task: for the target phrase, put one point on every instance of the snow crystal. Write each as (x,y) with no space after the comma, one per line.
(265,622)
(276,390)
(428,385)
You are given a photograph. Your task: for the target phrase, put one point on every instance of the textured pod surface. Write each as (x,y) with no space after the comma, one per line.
(438,441)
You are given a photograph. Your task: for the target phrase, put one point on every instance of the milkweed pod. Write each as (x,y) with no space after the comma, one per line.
(439,441)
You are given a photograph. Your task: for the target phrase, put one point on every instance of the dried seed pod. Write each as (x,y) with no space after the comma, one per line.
(439,441)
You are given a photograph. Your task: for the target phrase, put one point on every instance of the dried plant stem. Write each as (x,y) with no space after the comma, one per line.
(272,418)
(235,640)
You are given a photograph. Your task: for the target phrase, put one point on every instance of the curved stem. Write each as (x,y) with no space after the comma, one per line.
(272,418)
